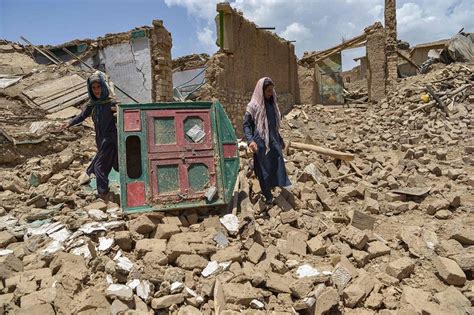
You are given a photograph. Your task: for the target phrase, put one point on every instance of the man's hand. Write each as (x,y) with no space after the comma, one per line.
(253,147)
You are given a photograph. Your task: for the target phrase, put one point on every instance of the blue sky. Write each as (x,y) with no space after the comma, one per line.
(314,24)
(58,21)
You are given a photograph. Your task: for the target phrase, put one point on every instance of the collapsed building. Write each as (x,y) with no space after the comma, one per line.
(139,61)
(387,229)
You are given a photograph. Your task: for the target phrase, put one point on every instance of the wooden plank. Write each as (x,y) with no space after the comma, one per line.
(68,104)
(320,55)
(412,191)
(66,98)
(335,154)
(53,86)
(42,100)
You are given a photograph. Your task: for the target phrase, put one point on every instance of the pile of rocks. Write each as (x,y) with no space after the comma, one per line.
(389,232)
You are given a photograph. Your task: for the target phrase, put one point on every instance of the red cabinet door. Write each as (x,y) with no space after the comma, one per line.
(180,153)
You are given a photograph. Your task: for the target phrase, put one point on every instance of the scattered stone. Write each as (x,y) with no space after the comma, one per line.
(317,245)
(277,283)
(464,236)
(191,262)
(302,287)
(231,253)
(165,302)
(6,238)
(289,216)
(150,244)
(443,214)
(449,271)
(401,268)
(141,225)
(377,248)
(326,301)
(362,221)
(239,293)
(255,253)
(165,231)
(231,223)
(296,242)
(371,206)
(354,237)
(453,299)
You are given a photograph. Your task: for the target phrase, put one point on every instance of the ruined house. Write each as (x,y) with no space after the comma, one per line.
(246,54)
(381,62)
(138,61)
(419,53)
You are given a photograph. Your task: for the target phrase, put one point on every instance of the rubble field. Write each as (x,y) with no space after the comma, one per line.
(390,232)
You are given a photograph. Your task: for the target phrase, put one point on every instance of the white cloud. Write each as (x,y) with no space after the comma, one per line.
(296,31)
(318,24)
(207,38)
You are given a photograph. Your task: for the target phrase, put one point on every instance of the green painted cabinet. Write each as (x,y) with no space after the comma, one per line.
(176,156)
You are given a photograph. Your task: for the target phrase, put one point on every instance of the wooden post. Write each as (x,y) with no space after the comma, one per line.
(335,154)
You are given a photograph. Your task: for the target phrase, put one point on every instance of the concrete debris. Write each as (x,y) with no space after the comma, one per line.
(231,223)
(119,291)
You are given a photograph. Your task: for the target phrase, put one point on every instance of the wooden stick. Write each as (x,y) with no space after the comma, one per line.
(409,60)
(39,50)
(335,154)
(438,100)
(335,179)
(356,169)
(235,199)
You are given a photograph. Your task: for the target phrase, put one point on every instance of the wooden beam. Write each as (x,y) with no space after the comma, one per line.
(408,60)
(39,50)
(333,153)
(320,55)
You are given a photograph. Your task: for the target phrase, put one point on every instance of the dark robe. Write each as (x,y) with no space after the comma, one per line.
(269,168)
(105,139)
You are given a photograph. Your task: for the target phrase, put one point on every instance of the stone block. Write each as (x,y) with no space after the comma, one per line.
(255,252)
(296,242)
(165,231)
(354,237)
(141,225)
(449,271)
(191,262)
(401,268)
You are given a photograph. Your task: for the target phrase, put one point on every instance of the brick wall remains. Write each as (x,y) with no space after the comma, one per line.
(391,41)
(248,54)
(161,63)
(375,50)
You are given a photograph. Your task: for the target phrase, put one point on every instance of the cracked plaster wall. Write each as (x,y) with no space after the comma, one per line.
(128,65)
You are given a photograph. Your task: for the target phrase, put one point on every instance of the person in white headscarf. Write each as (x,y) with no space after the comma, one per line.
(261,129)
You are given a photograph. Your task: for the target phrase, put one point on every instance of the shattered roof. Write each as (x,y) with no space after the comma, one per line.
(440,42)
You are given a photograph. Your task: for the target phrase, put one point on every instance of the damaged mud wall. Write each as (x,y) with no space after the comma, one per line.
(246,55)
(375,50)
(391,41)
(125,57)
(138,61)
(162,83)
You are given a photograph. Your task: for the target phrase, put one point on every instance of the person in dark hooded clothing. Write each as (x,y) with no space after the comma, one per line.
(102,108)
(261,129)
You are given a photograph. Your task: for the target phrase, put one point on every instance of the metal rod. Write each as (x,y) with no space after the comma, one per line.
(39,50)
(91,68)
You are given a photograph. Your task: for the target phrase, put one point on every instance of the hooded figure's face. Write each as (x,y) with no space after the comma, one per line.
(268,92)
(96,89)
